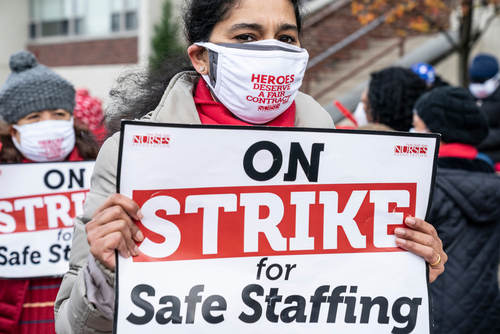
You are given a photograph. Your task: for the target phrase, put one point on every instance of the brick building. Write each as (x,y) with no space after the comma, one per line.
(89,42)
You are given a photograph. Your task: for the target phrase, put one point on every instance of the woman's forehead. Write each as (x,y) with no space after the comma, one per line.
(263,12)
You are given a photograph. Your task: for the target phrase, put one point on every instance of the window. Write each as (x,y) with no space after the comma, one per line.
(49,18)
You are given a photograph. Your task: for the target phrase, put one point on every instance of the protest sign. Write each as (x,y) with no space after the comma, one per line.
(38,202)
(265,230)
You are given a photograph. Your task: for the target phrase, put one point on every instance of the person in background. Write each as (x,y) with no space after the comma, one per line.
(391,95)
(484,85)
(88,113)
(37,106)
(427,73)
(465,211)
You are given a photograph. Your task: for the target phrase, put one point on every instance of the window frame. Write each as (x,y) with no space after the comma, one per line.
(35,32)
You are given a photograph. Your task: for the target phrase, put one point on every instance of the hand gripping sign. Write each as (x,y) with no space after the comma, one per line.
(38,202)
(266,230)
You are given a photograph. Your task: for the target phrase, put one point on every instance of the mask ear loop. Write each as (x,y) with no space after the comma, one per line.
(213,60)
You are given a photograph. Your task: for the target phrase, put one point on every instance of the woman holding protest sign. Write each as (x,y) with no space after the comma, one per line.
(37,107)
(219,33)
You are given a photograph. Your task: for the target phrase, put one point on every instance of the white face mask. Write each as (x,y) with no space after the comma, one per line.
(46,141)
(360,114)
(482,91)
(256,81)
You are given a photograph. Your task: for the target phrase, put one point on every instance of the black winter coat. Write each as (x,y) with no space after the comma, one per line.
(466,214)
(491,107)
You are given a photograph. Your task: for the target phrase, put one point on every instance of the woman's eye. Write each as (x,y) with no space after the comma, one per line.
(287,39)
(245,38)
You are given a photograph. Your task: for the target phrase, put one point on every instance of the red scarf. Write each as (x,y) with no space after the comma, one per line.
(212,112)
(457,150)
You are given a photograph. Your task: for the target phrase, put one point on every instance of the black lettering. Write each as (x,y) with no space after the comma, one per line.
(278,275)
(316,301)
(368,303)
(46,179)
(350,318)
(297,155)
(298,310)
(208,307)
(174,309)
(334,300)
(149,310)
(73,176)
(289,268)
(271,299)
(191,300)
(2,257)
(53,250)
(14,260)
(252,303)
(66,252)
(260,265)
(411,318)
(35,255)
(25,254)
(250,154)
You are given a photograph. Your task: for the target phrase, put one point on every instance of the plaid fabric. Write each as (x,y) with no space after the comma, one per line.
(37,315)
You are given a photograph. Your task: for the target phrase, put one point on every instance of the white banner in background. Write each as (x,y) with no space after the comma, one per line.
(266,230)
(38,202)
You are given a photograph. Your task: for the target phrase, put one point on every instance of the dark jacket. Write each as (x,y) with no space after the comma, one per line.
(491,107)
(466,214)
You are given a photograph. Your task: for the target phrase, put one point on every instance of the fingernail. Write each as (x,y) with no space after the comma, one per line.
(410,221)
(400,241)
(136,251)
(139,236)
(139,214)
(127,255)
(400,231)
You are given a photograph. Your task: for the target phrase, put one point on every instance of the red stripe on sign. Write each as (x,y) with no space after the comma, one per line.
(40,212)
(206,223)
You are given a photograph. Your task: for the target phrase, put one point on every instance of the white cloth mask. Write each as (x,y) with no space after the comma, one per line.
(482,91)
(256,81)
(51,140)
(360,114)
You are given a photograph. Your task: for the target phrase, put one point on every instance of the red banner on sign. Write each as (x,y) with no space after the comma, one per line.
(207,223)
(40,212)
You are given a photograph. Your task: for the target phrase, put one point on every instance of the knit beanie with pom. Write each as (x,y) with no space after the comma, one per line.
(32,87)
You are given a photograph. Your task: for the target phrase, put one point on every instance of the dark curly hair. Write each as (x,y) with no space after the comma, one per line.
(138,93)
(392,93)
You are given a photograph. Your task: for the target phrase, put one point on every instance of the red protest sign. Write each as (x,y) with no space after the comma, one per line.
(38,203)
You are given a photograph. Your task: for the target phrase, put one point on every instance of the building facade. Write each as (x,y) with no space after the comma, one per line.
(88,42)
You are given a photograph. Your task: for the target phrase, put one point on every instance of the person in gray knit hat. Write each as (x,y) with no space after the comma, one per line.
(37,105)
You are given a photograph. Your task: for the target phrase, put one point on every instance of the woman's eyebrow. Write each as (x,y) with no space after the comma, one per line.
(250,26)
(259,27)
(287,26)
